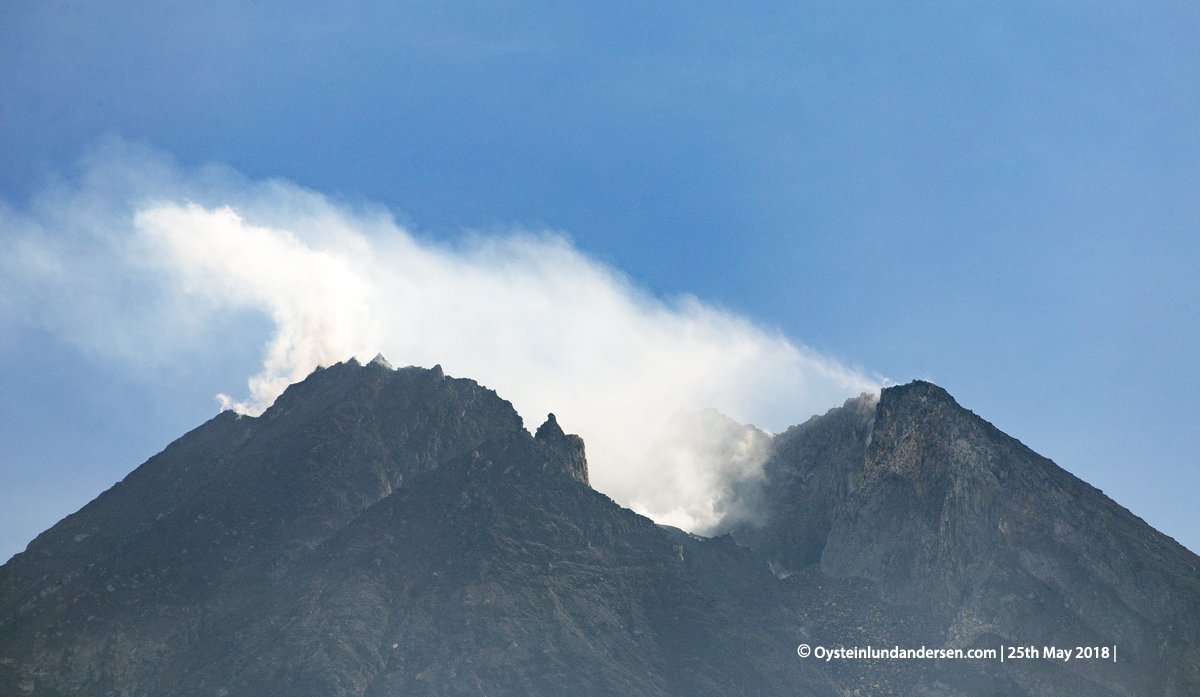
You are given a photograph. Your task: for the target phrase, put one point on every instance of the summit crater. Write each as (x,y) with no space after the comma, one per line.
(383,531)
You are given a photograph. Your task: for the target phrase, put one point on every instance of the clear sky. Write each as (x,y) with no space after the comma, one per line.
(1003,198)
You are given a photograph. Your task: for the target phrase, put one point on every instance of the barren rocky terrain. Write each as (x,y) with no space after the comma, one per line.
(398,532)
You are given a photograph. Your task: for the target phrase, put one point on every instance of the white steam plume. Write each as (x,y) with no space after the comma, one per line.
(138,255)
(704,471)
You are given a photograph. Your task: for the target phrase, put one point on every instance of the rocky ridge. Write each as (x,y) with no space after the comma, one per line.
(948,520)
(383,532)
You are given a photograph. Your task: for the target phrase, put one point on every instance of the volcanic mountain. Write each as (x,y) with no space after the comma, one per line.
(399,532)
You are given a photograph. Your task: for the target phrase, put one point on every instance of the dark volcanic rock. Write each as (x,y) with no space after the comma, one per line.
(956,516)
(375,532)
(191,541)
(813,467)
(950,521)
(381,532)
(568,448)
(502,574)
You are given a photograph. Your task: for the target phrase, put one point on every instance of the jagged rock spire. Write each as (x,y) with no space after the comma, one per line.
(570,446)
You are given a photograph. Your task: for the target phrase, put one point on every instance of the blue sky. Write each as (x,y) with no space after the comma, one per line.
(998,197)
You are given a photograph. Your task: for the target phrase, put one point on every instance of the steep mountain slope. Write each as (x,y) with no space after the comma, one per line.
(383,532)
(951,510)
(190,541)
(946,517)
(812,468)
(375,532)
(502,573)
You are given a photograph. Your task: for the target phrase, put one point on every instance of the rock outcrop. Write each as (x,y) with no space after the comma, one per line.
(990,543)
(375,532)
(384,532)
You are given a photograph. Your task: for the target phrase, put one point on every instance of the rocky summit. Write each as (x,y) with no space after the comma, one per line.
(399,532)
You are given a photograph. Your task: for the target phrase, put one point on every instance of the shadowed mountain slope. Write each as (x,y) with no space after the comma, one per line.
(812,468)
(191,540)
(385,532)
(948,519)
(501,573)
(375,532)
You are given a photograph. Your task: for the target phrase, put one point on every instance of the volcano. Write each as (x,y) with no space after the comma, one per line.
(383,531)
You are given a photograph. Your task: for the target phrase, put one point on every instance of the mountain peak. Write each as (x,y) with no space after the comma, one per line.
(380,360)
(400,532)
(918,391)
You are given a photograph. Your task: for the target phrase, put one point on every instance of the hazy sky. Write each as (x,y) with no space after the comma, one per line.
(1001,198)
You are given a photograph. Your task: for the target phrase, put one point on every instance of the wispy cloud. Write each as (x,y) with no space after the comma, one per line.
(704,471)
(137,258)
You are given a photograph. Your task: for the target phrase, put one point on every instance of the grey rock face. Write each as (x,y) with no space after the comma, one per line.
(385,532)
(813,467)
(568,447)
(997,546)
(139,584)
(500,573)
(376,532)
